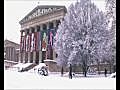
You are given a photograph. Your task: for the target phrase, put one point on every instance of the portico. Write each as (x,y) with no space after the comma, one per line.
(38,29)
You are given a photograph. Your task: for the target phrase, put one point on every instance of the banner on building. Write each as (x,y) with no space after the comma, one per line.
(24,43)
(32,42)
(51,34)
(44,41)
(27,42)
(30,39)
(39,40)
(21,44)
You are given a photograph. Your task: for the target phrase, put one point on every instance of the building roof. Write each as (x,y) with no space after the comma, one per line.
(42,10)
(8,43)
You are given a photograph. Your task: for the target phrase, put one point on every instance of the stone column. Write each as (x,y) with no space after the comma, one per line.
(34,52)
(40,56)
(29,53)
(24,52)
(34,56)
(54,55)
(23,57)
(26,58)
(40,51)
(21,43)
(19,58)
(47,39)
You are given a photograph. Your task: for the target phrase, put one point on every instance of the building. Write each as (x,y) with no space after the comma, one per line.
(11,53)
(37,31)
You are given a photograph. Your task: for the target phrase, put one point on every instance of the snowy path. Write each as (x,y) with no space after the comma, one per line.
(25,80)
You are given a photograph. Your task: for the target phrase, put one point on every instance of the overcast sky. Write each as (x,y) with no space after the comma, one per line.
(15,10)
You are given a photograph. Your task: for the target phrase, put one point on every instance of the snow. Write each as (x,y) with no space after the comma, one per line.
(11,61)
(19,66)
(38,66)
(26,80)
(22,65)
(26,65)
(48,60)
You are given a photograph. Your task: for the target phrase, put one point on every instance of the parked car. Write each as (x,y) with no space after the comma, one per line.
(113,75)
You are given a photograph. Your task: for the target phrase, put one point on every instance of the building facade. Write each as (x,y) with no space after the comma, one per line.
(11,50)
(11,53)
(38,29)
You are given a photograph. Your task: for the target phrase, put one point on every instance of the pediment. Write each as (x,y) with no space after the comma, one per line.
(41,10)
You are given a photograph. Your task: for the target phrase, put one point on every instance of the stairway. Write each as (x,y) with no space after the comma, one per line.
(28,67)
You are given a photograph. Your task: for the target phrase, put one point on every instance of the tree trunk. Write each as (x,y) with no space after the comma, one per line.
(110,68)
(85,73)
(98,69)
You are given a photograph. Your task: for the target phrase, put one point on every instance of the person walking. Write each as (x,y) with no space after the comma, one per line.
(62,71)
(70,71)
(105,72)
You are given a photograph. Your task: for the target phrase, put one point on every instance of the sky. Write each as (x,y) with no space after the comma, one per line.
(16,10)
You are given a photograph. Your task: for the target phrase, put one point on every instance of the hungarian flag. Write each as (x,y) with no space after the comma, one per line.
(44,41)
(39,40)
(51,38)
(32,42)
(21,44)
(29,42)
(25,43)
(35,40)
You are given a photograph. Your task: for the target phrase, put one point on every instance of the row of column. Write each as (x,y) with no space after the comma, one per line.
(36,56)
(10,53)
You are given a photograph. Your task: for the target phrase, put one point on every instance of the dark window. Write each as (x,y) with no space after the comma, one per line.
(44,26)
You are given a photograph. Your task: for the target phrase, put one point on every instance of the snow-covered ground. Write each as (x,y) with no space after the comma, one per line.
(31,80)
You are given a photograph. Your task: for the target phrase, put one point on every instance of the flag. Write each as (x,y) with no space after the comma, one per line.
(32,42)
(21,44)
(35,40)
(25,43)
(29,42)
(39,40)
(51,38)
(44,41)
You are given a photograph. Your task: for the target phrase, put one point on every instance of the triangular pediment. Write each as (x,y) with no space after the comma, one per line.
(8,43)
(41,10)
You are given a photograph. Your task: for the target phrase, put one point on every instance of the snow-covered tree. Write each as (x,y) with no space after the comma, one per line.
(82,34)
(110,53)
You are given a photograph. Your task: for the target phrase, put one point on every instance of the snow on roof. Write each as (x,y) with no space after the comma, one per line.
(26,65)
(18,65)
(10,61)
(22,65)
(48,60)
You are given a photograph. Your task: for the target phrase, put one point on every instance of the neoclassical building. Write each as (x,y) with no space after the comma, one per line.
(38,29)
(11,53)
